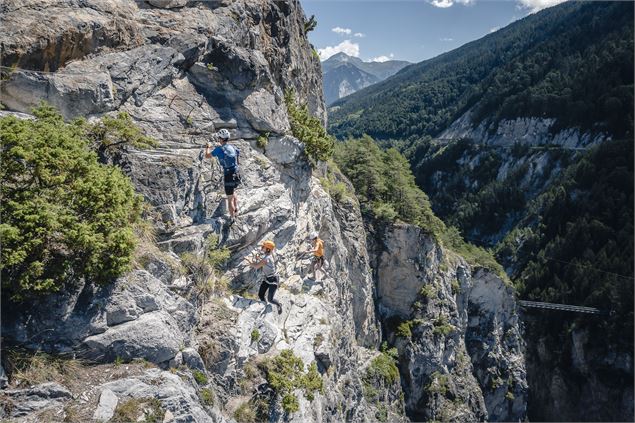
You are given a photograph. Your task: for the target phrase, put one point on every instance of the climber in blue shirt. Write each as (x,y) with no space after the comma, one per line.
(229,158)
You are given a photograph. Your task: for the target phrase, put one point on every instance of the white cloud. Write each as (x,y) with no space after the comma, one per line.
(446,39)
(494,29)
(359,35)
(346,46)
(536,5)
(342,31)
(383,58)
(442,3)
(449,3)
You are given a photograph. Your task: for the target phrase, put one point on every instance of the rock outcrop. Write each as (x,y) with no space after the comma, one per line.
(530,131)
(198,67)
(456,328)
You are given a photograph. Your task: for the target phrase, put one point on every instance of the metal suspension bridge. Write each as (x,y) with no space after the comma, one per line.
(561,307)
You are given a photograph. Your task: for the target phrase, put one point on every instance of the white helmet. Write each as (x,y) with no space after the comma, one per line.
(313,235)
(223,133)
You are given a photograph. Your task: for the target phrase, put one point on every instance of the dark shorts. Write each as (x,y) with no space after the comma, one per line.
(319,261)
(231,181)
(272,280)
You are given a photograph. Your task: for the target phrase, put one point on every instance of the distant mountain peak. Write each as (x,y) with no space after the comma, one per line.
(344,74)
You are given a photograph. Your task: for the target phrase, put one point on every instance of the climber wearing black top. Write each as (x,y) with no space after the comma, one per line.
(271,278)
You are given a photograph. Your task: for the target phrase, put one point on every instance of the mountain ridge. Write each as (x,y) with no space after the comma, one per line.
(545,47)
(344,74)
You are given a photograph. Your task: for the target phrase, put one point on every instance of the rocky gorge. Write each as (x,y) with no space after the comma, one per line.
(157,338)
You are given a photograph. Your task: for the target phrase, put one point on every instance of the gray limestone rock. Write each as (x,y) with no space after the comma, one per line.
(465,331)
(176,395)
(192,359)
(36,398)
(153,336)
(3,378)
(168,4)
(106,407)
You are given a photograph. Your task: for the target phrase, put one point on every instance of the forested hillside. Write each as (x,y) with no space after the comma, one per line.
(573,62)
(522,140)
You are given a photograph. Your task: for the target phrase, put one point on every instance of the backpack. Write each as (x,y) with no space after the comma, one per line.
(230,157)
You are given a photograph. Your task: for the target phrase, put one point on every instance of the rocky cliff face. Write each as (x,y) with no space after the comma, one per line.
(182,69)
(477,162)
(558,366)
(487,184)
(456,328)
(531,131)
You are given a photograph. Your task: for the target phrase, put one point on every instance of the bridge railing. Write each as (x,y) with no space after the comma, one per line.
(562,307)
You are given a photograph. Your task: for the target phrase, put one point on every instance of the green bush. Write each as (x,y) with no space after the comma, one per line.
(337,190)
(333,182)
(111,132)
(245,413)
(64,215)
(385,212)
(382,413)
(381,373)
(204,267)
(390,352)
(456,286)
(428,291)
(439,384)
(285,373)
(384,183)
(442,326)
(308,129)
(404,329)
(200,377)
(255,335)
(263,140)
(207,397)
(290,403)
(383,369)
(310,24)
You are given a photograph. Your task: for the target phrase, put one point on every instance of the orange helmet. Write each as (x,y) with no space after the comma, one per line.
(269,245)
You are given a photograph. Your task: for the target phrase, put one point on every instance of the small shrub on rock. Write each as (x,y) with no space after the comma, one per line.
(404,329)
(207,397)
(148,410)
(318,144)
(285,373)
(245,413)
(200,377)
(263,140)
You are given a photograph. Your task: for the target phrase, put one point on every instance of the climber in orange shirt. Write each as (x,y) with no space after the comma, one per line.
(318,255)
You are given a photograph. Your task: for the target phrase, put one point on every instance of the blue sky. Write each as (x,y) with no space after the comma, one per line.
(412,30)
